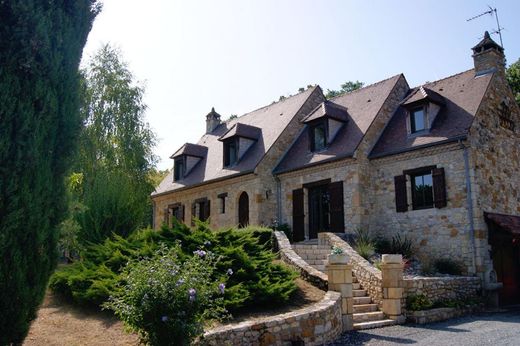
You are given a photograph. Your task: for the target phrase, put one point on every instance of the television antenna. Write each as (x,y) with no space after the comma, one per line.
(493,12)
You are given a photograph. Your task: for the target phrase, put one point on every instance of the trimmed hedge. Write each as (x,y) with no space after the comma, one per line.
(255,279)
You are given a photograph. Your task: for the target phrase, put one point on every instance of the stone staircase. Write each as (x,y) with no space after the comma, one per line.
(366,314)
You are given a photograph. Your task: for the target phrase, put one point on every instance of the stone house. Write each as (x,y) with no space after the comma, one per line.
(437,163)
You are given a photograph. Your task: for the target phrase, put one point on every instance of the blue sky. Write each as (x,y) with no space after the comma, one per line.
(239,55)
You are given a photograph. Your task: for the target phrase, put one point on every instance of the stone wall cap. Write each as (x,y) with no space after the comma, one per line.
(387,259)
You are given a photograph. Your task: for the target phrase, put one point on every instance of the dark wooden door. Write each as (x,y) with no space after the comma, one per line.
(319,210)
(243,210)
(298,215)
(505,252)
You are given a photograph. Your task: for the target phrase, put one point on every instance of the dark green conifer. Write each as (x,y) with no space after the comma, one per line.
(41,43)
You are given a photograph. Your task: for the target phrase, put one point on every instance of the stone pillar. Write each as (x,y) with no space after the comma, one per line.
(340,279)
(392,274)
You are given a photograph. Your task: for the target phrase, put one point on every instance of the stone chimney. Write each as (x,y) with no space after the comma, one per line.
(212,120)
(488,56)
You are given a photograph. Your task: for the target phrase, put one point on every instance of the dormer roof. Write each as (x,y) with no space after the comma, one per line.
(242,130)
(423,94)
(327,109)
(191,150)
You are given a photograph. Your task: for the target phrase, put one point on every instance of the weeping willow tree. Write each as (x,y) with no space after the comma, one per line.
(115,157)
(41,43)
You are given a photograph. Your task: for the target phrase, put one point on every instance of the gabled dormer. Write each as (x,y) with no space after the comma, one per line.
(324,123)
(186,158)
(422,107)
(237,141)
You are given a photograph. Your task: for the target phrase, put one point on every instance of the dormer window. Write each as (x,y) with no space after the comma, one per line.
(179,168)
(324,123)
(231,152)
(418,120)
(237,141)
(318,138)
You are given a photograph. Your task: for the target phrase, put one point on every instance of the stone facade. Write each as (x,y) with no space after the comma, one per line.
(314,325)
(443,288)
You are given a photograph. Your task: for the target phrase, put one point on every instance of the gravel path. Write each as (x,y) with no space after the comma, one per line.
(482,329)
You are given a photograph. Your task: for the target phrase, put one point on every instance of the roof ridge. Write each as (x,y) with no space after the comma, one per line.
(285,99)
(366,87)
(442,79)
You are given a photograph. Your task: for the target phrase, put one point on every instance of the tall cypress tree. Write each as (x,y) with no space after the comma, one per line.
(41,43)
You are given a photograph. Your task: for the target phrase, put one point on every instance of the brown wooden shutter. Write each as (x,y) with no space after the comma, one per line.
(298,215)
(401,201)
(166,216)
(207,210)
(439,188)
(193,211)
(182,212)
(337,217)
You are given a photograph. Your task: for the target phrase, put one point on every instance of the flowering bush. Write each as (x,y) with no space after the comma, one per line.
(166,300)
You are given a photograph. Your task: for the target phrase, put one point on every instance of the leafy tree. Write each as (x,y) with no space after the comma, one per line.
(115,156)
(513,77)
(41,43)
(345,88)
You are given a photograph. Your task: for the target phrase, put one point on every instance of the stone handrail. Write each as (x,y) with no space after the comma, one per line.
(313,325)
(367,275)
(289,256)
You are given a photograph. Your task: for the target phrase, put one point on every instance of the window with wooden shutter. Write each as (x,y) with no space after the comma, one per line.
(298,215)
(401,200)
(439,187)
(337,218)
(193,213)
(166,216)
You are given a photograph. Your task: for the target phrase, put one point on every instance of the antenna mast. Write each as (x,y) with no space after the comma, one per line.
(493,12)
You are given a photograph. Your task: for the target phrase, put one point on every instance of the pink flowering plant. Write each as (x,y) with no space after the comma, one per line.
(166,300)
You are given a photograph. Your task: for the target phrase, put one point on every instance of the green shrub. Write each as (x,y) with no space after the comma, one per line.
(285,228)
(448,266)
(166,300)
(383,245)
(246,252)
(418,302)
(364,245)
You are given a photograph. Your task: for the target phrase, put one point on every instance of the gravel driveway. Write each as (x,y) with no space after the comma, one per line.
(482,329)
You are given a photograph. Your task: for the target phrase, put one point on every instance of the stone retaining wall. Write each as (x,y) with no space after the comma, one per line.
(443,288)
(367,275)
(439,314)
(289,256)
(314,325)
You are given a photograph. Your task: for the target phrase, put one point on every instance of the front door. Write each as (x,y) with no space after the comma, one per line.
(319,210)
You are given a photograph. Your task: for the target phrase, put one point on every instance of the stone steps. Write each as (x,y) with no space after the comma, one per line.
(359,293)
(365,308)
(362,300)
(356,286)
(368,316)
(374,324)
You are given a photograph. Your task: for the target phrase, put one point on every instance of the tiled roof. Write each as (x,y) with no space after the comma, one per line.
(191,150)
(271,119)
(329,109)
(362,107)
(462,94)
(242,130)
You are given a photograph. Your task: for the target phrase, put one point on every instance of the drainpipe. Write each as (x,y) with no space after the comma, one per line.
(469,201)
(278,200)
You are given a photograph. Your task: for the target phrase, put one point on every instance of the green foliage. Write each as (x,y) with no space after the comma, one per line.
(336,250)
(115,159)
(418,302)
(513,77)
(448,266)
(402,246)
(41,43)
(256,280)
(345,88)
(285,228)
(364,245)
(167,300)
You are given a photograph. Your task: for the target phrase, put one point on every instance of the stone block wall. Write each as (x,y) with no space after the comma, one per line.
(435,232)
(314,325)
(495,159)
(443,288)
